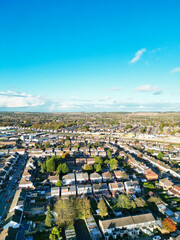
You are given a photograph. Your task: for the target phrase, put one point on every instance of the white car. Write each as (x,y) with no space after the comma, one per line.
(156,237)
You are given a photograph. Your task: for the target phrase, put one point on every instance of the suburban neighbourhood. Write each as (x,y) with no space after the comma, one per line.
(90,120)
(87,185)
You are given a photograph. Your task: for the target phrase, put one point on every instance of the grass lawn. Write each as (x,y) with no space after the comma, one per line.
(110,211)
(39,218)
(166,198)
(175,209)
(41,236)
(93,205)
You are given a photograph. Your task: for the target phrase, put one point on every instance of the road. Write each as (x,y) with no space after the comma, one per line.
(4,207)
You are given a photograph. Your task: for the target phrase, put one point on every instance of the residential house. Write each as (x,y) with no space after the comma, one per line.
(84,189)
(95,177)
(102,153)
(9,233)
(175,238)
(68,191)
(107,176)
(68,179)
(82,177)
(165,210)
(150,175)
(174,190)
(34,210)
(53,179)
(26,179)
(100,189)
(116,187)
(100,149)
(58,152)
(132,187)
(18,201)
(13,219)
(93,152)
(90,160)
(118,174)
(80,161)
(55,192)
(93,229)
(165,183)
(130,225)
(176,218)
(70,234)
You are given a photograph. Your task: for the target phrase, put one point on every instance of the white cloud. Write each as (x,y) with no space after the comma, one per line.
(141,107)
(148,88)
(12,99)
(27,102)
(138,55)
(68,106)
(115,89)
(121,107)
(174,70)
(106,98)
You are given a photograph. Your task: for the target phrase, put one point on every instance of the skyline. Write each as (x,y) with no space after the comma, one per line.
(78,57)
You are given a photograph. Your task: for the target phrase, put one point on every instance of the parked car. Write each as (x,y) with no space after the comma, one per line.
(156,237)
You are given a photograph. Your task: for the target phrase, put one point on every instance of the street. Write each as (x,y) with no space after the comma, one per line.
(9,190)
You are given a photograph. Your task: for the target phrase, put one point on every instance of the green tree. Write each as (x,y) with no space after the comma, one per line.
(133,204)
(113,164)
(48,219)
(98,168)
(59,183)
(77,205)
(88,145)
(139,202)
(86,208)
(155,200)
(65,212)
(50,165)
(109,153)
(47,145)
(65,155)
(161,126)
(143,129)
(77,145)
(128,126)
(55,234)
(43,167)
(88,167)
(170,147)
(82,208)
(98,160)
(107,161)
(160,156)
(41,146)
(103,208)
(62,169)
(124,201)
(67,143)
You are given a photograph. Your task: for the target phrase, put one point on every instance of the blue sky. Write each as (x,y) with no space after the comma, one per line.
(90,55)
